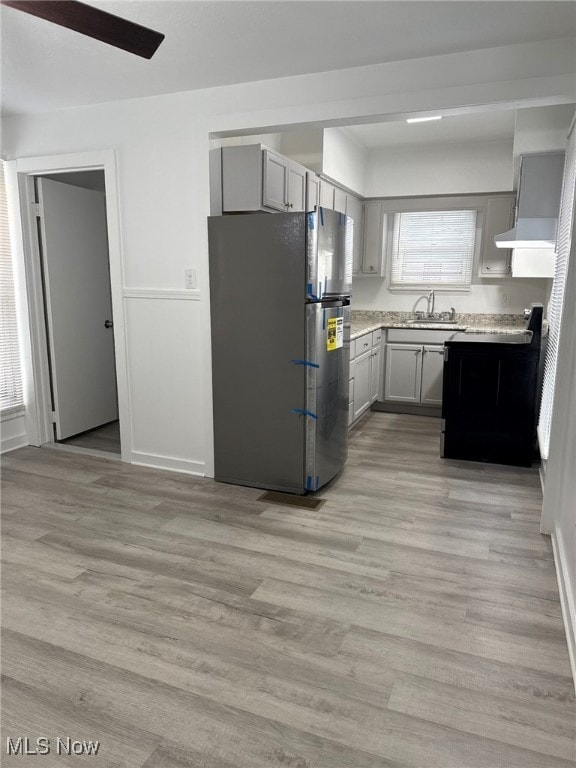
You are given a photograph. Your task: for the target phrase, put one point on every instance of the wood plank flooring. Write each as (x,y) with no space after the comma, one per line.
(413,621)
(105,438)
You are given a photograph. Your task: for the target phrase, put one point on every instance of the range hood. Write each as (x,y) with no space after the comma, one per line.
(529,233)
(539,191)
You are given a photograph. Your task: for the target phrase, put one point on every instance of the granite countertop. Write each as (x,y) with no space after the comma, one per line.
(364,321)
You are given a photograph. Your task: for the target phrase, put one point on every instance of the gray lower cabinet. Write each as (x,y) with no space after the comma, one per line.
(413,373)
(403,376)
(362,383)
(365,373)
(432,375)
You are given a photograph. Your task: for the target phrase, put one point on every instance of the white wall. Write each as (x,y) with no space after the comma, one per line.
(344,159)
(489,297)
(440,169)
(162,146)
(305,147)
(13,432)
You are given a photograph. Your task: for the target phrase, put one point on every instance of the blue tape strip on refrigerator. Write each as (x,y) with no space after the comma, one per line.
(309,483)
(321,215)
(310,221)
(310,294)
(305,362)
(303,412)
(317,482)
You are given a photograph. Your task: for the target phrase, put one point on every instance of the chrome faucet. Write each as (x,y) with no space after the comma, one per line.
(431,303)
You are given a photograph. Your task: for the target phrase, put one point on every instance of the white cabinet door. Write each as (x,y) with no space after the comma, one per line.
(296,188)
(312,191)
(403,375)
(339,200)
(327,194)
(432,375)
(355,210)
(275,181)
(362,383)
(376,374)
(374,243)
(495,262)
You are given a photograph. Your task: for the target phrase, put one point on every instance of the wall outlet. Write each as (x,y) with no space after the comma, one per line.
(190,278)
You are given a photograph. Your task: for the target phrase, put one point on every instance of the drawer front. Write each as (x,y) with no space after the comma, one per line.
(363,344)
(377,337)
(417,336)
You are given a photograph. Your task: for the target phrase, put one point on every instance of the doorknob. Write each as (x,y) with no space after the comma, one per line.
(108,324)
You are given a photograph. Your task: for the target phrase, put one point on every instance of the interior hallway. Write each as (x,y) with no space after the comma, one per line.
(411,621)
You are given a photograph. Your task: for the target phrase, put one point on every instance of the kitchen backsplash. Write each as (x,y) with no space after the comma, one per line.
(465,318)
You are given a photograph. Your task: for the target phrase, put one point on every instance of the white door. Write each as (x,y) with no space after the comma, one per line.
(78,305)
(403,373)
(432,375)
(275,181)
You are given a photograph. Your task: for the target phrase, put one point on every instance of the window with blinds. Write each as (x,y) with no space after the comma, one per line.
(11,393)
(433,248)
(563,244)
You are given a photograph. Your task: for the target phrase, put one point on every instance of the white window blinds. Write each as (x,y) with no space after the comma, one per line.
(433,248)
(563,243)
(10,371)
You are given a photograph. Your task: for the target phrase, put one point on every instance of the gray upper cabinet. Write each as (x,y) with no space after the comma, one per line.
(312,191)
(540,185)
(327,191)
(276,175)
(340,200)
(355,209)
(255,178)
(499,217)
(374,249)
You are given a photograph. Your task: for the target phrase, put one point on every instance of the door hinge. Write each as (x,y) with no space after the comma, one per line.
(36,209)
(446,351)
(53,417)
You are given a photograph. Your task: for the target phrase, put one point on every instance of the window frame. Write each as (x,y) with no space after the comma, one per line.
(391,206)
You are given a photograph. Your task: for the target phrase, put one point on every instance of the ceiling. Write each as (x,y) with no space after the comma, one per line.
(481,126)
(213,43)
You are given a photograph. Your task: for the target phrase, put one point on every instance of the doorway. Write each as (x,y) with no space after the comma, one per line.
(59,413)
(77,308)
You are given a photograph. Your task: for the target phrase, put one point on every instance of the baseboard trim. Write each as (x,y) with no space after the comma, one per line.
(412,410)
(156,461)
(567,598)
(13,443)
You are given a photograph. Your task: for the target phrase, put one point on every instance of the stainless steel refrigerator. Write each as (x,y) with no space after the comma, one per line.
(280,315)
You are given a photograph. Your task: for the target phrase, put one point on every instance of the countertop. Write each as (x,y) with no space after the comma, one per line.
(365,322)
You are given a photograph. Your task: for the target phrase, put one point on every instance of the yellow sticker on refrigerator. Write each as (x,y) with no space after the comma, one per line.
(335,337)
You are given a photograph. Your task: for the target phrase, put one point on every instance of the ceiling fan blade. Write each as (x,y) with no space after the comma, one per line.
(94,23)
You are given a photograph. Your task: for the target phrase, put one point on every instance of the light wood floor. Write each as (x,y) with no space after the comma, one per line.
(105,438)
(412,621)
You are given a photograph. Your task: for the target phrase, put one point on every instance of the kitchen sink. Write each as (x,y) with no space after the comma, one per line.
(434,321)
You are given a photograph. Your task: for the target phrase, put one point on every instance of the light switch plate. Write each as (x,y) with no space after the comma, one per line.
(190,278)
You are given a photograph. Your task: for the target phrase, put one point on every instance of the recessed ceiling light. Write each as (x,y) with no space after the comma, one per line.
(423,119)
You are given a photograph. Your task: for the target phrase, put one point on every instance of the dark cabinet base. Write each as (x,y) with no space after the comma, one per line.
(489,402)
